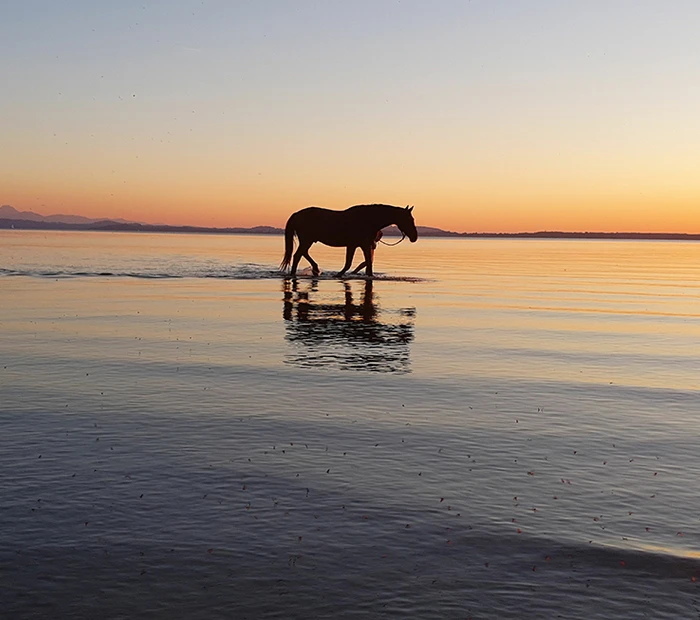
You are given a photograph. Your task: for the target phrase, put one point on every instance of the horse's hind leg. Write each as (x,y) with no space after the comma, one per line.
(301,251)
(314,264)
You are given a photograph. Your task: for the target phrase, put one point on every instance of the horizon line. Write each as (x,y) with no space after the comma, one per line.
(109,225)
(99,222)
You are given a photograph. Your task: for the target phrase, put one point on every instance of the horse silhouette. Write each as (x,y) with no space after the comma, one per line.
(353,228)
(376,240)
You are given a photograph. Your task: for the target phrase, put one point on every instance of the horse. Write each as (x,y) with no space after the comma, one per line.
(376,240)
(353,228)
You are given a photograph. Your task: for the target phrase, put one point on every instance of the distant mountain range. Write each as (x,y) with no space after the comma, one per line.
(28,220)
(10,213)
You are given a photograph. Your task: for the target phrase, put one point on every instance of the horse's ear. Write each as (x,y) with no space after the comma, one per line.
(409,209)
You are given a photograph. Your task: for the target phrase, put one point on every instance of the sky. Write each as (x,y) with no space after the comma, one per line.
(487,115)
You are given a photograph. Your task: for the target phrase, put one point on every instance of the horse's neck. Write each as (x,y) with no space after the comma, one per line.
(386,216)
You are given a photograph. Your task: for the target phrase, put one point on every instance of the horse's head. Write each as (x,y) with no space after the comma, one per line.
(406,224)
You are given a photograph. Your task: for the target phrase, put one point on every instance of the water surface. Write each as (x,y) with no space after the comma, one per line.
(489,429)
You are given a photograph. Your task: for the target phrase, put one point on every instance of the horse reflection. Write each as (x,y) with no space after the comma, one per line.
(350,335)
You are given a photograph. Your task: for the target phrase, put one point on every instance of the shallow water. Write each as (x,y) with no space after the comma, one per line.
(489,429)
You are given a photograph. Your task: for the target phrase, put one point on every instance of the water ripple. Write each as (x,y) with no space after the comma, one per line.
(234,272)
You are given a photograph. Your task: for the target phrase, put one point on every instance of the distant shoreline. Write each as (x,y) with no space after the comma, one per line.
(111,226)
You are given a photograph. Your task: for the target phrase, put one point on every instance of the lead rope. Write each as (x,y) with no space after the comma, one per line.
(392,244)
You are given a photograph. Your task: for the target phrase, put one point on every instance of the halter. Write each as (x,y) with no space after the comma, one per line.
(397,243)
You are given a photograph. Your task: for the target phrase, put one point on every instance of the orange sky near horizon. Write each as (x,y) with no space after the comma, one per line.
(205,196)
(523,117)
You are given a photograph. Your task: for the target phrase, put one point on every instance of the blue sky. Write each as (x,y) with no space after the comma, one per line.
(488,115)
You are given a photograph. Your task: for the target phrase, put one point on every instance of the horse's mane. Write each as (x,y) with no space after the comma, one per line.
(374,205)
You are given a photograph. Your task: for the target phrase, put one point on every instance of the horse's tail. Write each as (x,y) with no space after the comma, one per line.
(288,243)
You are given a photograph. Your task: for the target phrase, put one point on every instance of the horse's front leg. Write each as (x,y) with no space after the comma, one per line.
(359,268)
(367,251)
(349,255)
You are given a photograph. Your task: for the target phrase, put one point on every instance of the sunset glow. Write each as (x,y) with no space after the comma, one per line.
(511,116)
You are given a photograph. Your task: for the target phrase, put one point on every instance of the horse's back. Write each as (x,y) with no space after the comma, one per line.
(314,212)
(356,225)
(356,211)
(319,224)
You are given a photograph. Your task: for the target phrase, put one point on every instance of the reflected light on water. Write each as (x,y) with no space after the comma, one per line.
(194,420)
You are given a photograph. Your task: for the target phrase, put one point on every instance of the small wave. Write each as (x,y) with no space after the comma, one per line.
(67,273)
(235,272)
(592,557)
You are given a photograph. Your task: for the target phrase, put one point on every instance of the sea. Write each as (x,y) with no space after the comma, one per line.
(489,428)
